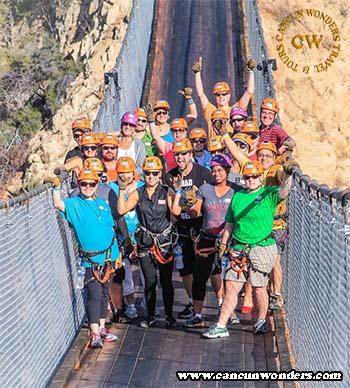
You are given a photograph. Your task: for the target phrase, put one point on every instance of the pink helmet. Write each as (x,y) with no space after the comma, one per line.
(221,160)
(238,111)
(129,118)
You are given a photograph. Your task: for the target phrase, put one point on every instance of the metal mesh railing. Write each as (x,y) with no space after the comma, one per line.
(41,309)
(317,259)
(124,84)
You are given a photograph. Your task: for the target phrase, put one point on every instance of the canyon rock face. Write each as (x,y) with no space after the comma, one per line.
(314,105)
(93,34)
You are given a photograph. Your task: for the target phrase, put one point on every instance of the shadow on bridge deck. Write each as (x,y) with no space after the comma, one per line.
(150,357)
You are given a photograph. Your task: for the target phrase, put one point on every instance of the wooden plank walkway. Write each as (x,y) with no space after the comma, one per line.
(150,357)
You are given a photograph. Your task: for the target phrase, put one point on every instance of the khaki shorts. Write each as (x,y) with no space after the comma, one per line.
(262,261)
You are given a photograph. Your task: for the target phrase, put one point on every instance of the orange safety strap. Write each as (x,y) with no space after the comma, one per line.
(157,254)
(108,270)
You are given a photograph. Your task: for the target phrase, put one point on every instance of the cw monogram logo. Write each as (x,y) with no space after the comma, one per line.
(298,41)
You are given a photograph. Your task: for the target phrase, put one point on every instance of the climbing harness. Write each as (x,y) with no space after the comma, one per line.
(101,272)
(157,248)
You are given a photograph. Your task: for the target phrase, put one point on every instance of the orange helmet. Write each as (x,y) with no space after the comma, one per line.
(125,164)
(221,87)
(89,138)
(243,138)
(161,104)
(82,123)
(152,163)
(94,164)
(215,144)
(109,139)
(183,145)
(218,114)
(250,128)
(270,104)
(197,133)
(267,145)
(140,112)
(252,168)
(88,175)
(179,123)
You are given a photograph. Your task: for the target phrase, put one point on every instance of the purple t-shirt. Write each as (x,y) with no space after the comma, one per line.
(214,208)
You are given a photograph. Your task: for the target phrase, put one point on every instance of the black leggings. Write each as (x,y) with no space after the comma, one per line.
(203,268)
(97,299)
(149,270)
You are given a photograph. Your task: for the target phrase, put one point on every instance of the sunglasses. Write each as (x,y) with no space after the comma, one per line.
(221,94)
(247,177)
(237,120)
(153,173)
(88,184)
(142,120)
(87,148)
(77,135)
(181,130)
(161,112)
(254,136)
(181,153)
(202,141)
(109,148)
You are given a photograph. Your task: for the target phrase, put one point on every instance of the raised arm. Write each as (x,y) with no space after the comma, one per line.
(251,64)
(124,204)
(160,143)
(197,68)
(232,147)
(192,109)
(174,197)
(286,184)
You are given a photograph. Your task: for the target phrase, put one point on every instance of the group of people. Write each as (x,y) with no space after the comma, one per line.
(210,201)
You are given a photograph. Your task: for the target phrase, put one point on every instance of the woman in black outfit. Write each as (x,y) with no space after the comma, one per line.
(154,244)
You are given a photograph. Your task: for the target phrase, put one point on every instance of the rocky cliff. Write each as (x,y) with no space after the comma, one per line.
(312,81)
(91,31)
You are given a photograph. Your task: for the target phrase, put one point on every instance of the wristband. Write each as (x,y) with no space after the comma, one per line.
(250,70)
(56,189)
(190,101)
(225,136)
(178,192)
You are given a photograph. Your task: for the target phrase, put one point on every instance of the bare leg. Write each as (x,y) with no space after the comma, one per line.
(248,295)
(262,301)
(217,284)
(197,306)
(116,294)
(230,301)
(277,277)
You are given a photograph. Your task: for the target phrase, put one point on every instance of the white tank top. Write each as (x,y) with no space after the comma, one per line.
(131,151)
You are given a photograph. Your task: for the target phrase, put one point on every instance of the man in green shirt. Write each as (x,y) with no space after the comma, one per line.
(249,222)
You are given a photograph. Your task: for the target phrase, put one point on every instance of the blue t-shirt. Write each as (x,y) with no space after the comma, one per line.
(93,226)
(204,160)
(131,219)
(169,137)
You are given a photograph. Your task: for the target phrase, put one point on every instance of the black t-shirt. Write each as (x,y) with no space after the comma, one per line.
(196,177)
(73,153)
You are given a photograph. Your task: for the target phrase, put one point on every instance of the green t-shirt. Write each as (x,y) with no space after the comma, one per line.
(252,216)
(147,140)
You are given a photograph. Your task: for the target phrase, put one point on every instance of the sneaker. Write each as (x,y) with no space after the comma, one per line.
(187,312)
(107,336)
(96,341)
(170,322)
(194,322)
(149,322)
(260,327)
(276,302)
(216,332)
(131,312)
(234,321)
